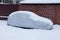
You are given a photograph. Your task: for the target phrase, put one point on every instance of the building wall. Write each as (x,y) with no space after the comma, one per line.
(51,11)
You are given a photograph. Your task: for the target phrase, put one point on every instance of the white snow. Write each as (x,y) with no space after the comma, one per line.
(29,19)
(40,1)
(13,33)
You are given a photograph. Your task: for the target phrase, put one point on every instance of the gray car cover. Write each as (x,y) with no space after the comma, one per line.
(29,20)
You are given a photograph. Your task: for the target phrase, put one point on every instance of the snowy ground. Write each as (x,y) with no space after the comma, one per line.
(13,33)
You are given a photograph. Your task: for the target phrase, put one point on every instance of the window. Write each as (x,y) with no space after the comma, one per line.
(10,1)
